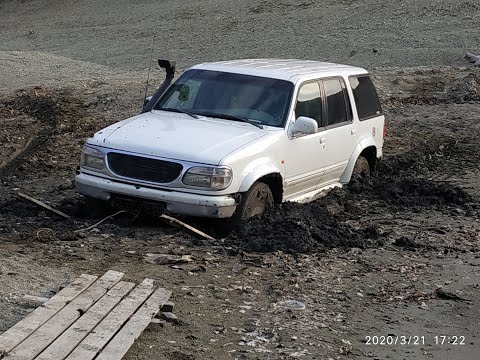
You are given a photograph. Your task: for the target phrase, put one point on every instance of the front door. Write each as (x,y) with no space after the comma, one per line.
(304,158)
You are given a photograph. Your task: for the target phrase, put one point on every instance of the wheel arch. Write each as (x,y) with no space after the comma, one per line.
(368,149)
(269,175)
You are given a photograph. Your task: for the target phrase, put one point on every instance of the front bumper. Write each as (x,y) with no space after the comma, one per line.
(176,202)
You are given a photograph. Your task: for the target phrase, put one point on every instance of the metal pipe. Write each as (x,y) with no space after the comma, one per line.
(169,67)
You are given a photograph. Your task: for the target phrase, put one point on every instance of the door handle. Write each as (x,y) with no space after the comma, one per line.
(322,140)
(354,131)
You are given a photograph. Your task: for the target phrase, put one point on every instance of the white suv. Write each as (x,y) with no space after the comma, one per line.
(232,138)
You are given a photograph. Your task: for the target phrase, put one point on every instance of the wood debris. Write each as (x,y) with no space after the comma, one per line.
(187,227)
(101,221)
(43,205)
(167,259)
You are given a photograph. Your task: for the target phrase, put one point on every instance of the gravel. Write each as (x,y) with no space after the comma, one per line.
(369,33)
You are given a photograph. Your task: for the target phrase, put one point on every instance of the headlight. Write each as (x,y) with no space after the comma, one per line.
(213,178)
(92,158)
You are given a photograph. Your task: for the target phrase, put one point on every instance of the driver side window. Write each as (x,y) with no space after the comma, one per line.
(183,95)
(309,102)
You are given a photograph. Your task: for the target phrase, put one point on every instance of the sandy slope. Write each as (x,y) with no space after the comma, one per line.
(119,33)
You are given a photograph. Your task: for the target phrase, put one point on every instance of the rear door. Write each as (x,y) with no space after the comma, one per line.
(371,120)
(339,128)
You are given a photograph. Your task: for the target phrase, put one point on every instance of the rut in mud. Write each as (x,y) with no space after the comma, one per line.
(29,119)
(432,87)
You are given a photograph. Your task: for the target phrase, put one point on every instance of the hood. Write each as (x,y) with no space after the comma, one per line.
(178,136)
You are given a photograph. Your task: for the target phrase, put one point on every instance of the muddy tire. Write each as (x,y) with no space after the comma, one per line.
(254,202)
(361,168)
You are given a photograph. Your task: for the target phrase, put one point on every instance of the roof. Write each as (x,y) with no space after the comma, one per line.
(284,69)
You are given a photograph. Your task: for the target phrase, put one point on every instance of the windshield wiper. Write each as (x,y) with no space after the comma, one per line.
(180,111)
(231,117)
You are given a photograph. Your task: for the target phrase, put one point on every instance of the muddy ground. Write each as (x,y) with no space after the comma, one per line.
(365,260)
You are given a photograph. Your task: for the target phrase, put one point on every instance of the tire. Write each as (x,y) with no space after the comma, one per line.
(255,201)
(361,168)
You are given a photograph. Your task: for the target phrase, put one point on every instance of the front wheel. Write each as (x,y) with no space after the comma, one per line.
(254,202)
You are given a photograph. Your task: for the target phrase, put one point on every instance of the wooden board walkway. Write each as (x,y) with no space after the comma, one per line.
(92,318)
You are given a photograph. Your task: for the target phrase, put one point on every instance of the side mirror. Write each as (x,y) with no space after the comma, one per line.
(147,99)
(305,125)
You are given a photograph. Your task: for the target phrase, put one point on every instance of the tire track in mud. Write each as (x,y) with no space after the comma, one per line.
(428,89)
(46,107)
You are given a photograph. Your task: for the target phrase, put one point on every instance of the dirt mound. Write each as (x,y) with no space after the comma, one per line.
(302,228)
(37,102)
(29,119)
(324,223)
(412,193)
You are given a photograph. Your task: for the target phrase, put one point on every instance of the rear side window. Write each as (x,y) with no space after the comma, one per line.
(338,110)
(365,96)
(309,102)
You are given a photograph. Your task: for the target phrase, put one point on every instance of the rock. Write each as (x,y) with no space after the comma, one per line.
(158,322)
(168,307)
(292,304)
(447,295)
(474,59)
(169,316)
(238,267)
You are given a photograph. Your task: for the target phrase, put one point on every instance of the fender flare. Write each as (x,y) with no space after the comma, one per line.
(255,172)
(347,173)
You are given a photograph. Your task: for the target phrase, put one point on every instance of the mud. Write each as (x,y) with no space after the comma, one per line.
(323,224)
(296,228)
(44,108)
(399,184)
(430,87)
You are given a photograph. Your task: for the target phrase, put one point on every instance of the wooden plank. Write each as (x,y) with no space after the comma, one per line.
(187,227)
(34,300)
(24,328)
(45,206)
(74,335)
(102,334)
(58,323)
(125,338)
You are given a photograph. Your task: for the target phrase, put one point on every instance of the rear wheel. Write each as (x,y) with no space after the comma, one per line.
(361,168)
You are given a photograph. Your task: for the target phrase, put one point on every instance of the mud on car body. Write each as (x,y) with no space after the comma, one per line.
(230,139)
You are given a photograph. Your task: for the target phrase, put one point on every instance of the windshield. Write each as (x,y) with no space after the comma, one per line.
(234,97)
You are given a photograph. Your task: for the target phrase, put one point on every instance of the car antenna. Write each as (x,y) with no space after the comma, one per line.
(149,70)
